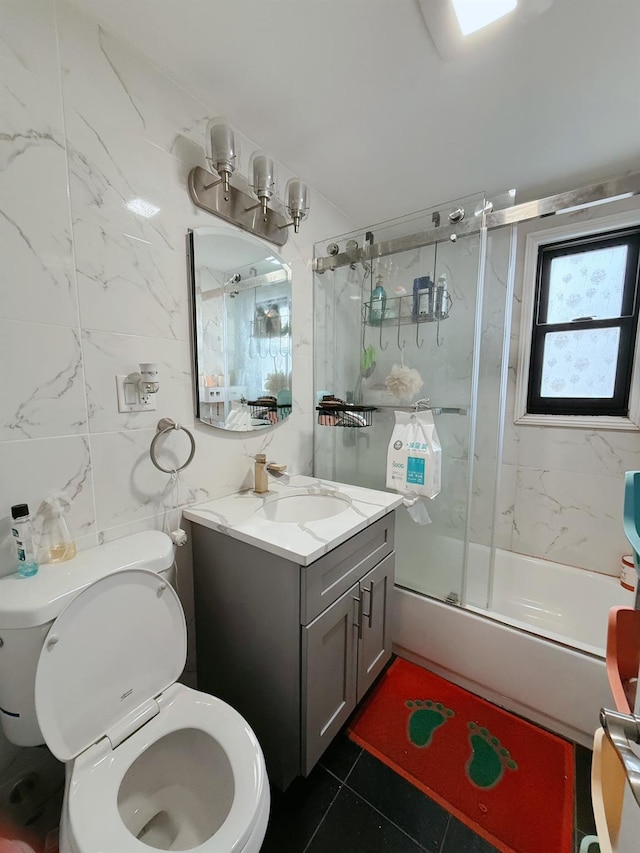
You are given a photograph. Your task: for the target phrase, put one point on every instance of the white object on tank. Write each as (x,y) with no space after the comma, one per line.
(59,543)
(119,644)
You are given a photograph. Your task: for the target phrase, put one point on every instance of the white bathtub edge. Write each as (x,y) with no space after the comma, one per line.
(556,687)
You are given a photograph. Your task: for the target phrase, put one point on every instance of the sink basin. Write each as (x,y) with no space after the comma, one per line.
(301,507)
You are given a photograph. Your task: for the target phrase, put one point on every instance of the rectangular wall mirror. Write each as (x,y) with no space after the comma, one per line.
(241,314)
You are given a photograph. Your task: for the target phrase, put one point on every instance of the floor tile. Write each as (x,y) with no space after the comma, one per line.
(584,811)
(400,801)
(341,756)
(461,839)
(296,813)
(353,826)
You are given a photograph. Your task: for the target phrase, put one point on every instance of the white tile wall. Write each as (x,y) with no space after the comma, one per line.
(89,288)
(563,488)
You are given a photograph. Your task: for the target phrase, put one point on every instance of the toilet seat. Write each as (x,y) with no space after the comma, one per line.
(94,818)
(105,695)
(115,647)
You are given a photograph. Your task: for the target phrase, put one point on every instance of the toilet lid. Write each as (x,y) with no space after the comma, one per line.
(114,647)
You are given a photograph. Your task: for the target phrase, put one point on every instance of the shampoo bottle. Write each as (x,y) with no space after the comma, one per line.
(423,308)
(22,531)
(56,534)
(378,303)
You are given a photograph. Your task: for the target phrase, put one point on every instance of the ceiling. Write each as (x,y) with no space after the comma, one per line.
(353,95)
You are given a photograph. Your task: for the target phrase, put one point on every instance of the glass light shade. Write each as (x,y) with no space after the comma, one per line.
(297,198)
(262,175)
(222,153)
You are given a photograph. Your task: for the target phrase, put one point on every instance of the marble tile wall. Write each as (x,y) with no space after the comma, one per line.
(561,493)
(90,288)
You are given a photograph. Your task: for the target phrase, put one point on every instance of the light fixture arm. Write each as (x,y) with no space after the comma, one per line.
(295,222)
(237,205)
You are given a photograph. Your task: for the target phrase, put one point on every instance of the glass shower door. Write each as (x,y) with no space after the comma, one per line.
(356,352)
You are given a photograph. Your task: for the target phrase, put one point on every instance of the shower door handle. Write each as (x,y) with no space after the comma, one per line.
(622,729)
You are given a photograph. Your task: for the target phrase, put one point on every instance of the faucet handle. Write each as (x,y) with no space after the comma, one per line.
(261,457)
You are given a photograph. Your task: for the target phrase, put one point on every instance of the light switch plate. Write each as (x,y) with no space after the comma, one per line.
(130,399)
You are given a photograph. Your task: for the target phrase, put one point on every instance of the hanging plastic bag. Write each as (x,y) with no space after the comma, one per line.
(414,461)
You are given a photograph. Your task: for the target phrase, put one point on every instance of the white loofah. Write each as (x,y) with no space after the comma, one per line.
(403,382)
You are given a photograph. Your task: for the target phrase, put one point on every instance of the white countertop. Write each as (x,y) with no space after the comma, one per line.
(301,542)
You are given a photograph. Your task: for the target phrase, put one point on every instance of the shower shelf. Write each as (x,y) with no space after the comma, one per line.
(268,410)
(345,415)
(401,308)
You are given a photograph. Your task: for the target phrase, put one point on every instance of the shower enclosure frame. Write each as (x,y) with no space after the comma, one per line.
(603,191)
(483,220)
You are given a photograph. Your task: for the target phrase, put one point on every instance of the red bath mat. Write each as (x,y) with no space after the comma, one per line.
(508,780)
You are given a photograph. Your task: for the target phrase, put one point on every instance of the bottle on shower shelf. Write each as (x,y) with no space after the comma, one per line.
(423,298)
(442,297)
(378,303)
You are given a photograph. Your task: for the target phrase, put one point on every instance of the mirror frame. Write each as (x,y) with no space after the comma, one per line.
(221,231)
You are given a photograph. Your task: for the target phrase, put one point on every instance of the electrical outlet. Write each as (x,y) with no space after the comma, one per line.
(130,399)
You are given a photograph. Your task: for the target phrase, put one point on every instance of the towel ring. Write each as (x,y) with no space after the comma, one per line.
(166,425)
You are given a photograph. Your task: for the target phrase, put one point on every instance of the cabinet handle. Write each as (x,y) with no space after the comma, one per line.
(358,623)
(369,615)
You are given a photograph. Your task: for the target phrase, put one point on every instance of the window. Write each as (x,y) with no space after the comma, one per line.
(581,298)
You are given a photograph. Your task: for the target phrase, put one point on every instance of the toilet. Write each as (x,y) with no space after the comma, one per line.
(150,764)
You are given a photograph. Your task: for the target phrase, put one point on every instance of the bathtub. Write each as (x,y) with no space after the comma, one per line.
(538,651)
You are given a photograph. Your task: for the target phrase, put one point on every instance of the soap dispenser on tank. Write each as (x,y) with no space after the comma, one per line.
(56,537)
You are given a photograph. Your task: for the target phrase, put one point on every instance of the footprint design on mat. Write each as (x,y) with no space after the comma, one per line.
(426,717)
(488,759)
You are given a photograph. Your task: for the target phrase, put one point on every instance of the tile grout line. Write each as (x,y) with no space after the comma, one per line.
(340,787)
(322,819)
(386,817)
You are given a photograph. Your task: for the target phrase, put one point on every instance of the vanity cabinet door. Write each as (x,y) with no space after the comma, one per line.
(329,650)
(374,648)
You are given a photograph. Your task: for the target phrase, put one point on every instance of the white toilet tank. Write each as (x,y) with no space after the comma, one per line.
(28,606)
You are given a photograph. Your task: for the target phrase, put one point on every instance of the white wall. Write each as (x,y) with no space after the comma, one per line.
(562,489)
(89,288)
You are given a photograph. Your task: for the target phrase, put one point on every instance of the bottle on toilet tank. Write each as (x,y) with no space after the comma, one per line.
(55,532)
(22,531)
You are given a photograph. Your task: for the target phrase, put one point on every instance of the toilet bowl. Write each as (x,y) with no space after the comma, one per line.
(150,764)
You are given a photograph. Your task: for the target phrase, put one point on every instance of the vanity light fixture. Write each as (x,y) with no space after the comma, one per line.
(262,181)
(236,201)
(221,151)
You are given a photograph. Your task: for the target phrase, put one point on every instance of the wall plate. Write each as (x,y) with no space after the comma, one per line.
(130,399)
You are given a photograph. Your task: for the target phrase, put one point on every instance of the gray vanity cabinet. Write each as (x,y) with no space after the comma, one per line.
(344,650)
(293,648)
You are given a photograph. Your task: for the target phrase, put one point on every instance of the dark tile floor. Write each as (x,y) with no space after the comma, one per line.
(353,802)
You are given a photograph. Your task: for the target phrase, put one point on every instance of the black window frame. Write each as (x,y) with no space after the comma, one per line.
(618,405)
